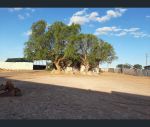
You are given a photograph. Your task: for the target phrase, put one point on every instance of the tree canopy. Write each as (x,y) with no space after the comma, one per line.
(128,66)
(38,45)
(137,66)
(65,45)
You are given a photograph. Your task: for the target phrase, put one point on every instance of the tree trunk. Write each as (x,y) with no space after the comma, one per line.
(87,67)
(85,63)
(57,66)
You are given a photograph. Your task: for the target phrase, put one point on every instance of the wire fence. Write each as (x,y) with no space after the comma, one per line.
(136,72)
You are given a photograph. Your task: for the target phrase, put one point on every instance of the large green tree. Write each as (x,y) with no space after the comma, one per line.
(38,45)
(65,45)
(60,34)
(91,50)
(106,53)
(86,45)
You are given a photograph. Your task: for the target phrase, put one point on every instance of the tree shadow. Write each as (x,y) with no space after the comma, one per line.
(48,101)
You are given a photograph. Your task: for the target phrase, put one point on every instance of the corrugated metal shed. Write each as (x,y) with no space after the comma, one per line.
(41,62)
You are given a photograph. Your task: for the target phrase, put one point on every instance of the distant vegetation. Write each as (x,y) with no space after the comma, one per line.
(66,46)
(124,66)
(128,66)
(137,66)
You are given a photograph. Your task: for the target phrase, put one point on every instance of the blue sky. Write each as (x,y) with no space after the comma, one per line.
(127,29)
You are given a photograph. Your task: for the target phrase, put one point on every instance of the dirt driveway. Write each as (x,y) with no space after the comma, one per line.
(47,96)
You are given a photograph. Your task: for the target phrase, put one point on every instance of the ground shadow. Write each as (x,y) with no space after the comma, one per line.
(47,101)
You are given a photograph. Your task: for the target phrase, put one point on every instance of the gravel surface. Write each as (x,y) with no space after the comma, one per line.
(46,96)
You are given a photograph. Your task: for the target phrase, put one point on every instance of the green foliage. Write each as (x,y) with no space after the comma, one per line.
(120,66)
(64,45)
(61,47)
(70,52)
(128,66)
(38,45)
(85,45)
(90,50)
(137,66)
(105,52)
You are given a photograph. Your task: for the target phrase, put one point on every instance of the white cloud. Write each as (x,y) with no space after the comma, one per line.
(78,20)
(81,12)
(131,29)
(105,30)
(82,17)
(139,34)
(111,14)
(19,9)
(15,9)
(93,16)
(121,34)
(28,33)
(21,17)
(27,12)
(79,17)
(115,31)
(148,16)
(31,9)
